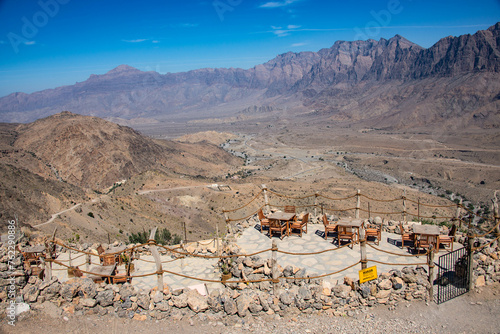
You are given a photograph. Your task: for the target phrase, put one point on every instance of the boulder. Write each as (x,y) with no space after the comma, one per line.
(286,298)
(105,298)
(88,302)
(230,306)
(180,301)
(242,304)
(341,291)
(143,301)
(305,293)
(196,302)
(385,284)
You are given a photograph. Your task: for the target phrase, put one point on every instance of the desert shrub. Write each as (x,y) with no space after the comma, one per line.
(162,237)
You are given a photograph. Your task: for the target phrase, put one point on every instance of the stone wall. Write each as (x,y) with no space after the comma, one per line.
(81,296)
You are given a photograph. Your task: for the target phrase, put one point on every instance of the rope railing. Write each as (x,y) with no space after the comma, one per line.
(381,200)
(319,252)
(246,217)
(358,195)
(485,245)
(324,275)
(291,197)
(392,253)
(337,199)
(397,264)
(244,206)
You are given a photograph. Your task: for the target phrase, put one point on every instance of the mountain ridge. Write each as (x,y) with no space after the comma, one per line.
(303,78)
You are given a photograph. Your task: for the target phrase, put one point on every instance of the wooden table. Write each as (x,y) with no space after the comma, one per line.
(102,272)
(286,217)
(429,233)
(116,251)
(353,223)
(34,249)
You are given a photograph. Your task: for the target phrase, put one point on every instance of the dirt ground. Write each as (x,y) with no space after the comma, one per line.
(475,312)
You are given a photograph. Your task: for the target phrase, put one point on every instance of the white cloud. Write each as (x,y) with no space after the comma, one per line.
(281,32)
(277,4)
(30,43)
(155,42)
(140,40)
(295,45)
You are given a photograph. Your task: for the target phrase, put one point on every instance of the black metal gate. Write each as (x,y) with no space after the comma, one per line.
(453,275)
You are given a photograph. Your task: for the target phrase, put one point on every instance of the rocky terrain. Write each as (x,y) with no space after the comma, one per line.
(66,160)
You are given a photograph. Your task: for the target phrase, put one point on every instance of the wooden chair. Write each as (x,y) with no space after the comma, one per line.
(100,252)
(300,225)
(425,241)
(275,226)
(450,238)
(108,260)
(329,226)
(374,231)
(263,221)
(345,233)
(30,259)
(123,277)
(406,237)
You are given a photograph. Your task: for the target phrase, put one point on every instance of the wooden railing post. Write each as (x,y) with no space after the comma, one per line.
(430,263)
(470,253)
(362,241)
(48,267)
(88,262)
(274,266)
(418,210)
(358,203)
(266,199)
(315,205)
(156,256)
(404,205)
(457,213)
(217,238)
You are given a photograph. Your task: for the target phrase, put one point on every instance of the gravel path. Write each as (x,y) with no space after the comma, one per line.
(476,312)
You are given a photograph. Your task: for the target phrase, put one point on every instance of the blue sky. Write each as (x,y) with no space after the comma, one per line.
(50,43)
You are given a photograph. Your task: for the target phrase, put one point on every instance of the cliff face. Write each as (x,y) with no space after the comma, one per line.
(308,77)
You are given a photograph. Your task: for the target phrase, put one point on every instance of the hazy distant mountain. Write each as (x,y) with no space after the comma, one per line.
(385,83)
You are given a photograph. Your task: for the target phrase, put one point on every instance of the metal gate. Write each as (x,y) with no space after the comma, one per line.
(452,280)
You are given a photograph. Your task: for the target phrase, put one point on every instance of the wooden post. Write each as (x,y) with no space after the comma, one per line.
(48,268)
(156,256)
(418,210)
(430,263)
(369,211)
(228,223)
(404,205)
(470,253)
(315,205)
(274,266)
(185,232)
(495,213)
(358,203)
(44,266)
(217,238)
(88,262)
(362,240)
(266,199)
(457,214)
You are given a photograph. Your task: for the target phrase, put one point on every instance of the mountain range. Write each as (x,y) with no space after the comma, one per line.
(390,83)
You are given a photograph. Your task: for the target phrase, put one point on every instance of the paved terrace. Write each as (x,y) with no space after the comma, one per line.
(251,240)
